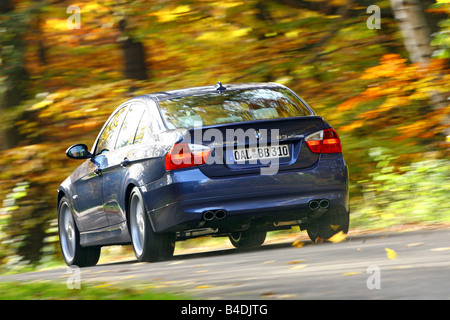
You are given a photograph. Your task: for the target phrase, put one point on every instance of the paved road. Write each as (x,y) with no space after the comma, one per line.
(410,265)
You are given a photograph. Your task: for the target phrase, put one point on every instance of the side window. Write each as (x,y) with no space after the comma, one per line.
(130,125)
(143,129)
(108,136)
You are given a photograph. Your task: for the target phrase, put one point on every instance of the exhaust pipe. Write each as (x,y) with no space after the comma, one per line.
(208,215)
(324,203)
(314,205)
(214,214)
(220,214)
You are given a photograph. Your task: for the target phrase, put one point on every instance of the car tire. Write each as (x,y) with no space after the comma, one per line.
(69,238)
(148,245)
(328,225)
(247,239)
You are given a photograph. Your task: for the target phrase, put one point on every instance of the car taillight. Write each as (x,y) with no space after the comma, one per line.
(324,141)
(183,155)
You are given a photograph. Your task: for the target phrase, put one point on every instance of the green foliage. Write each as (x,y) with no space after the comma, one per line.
(394,195)
(442,39)
(101,291)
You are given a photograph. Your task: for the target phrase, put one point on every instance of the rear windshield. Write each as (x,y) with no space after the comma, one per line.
(231,106)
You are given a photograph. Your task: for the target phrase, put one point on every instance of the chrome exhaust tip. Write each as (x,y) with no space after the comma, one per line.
(208,215)
(324,203)
(314,204)
(220,214)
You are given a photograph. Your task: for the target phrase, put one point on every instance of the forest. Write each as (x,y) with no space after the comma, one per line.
(377,70)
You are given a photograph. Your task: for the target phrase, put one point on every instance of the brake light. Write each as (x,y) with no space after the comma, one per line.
(324,141)
(183,155)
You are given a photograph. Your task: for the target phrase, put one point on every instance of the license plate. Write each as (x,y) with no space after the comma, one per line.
(260,153)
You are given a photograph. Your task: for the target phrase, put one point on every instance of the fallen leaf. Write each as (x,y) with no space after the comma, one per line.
(334,226)
(391,254)
(338,237)
(298,244)
(295,262)
(205,286)
(351,273)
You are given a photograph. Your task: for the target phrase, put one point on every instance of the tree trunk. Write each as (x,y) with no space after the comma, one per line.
(15,76)
(134,55)
(415,30)
(412,21)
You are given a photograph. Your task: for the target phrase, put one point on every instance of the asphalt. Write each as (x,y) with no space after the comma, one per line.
(387,265)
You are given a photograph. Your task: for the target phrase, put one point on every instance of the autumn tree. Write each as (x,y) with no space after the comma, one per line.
(70,80)
(14,77)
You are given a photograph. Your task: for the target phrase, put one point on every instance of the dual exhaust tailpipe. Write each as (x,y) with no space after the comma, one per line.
(214,214)
(319,204)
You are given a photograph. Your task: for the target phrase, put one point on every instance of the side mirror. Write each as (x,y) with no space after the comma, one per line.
(78,151)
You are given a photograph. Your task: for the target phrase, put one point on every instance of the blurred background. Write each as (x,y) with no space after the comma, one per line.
(376,70)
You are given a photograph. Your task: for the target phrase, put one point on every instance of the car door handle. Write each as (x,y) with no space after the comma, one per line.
(98,171)
(125,162)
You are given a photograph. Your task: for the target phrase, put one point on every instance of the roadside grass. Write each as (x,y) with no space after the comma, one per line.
(49,290)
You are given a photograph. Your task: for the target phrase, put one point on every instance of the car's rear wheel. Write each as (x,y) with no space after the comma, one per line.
(69,238)
(148,245)
(328,225)
(247,239)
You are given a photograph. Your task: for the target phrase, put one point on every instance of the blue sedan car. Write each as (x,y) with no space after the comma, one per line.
(237,160)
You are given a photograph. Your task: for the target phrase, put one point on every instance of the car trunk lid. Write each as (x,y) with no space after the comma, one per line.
(256,147)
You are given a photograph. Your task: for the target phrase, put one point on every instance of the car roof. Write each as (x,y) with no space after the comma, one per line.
(165,95)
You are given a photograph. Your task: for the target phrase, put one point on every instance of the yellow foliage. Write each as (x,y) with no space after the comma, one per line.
(172,14)
(56,24)
(339,2)
(352,126)
(41,104)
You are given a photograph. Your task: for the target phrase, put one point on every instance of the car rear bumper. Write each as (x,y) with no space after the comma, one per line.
(178,200)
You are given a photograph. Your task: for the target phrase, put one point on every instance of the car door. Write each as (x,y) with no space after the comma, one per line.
(89,188)
(116,172)
(87,197)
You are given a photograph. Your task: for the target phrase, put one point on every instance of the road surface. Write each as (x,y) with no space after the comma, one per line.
(408,265)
